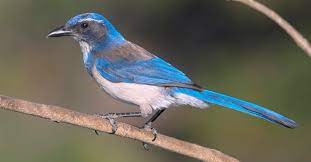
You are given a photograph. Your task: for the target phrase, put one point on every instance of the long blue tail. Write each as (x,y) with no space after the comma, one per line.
(239,105)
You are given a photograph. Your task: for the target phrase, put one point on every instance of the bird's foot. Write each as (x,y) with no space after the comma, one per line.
(147,127)
(111,118)
(154,132)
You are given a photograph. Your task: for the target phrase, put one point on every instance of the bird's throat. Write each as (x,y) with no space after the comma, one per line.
(85,47)
(88,58)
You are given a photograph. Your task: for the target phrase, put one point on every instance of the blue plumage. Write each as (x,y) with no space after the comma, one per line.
(154,71)
(131,74)
(239,105)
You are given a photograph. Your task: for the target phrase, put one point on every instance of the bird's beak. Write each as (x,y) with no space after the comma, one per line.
(59,32)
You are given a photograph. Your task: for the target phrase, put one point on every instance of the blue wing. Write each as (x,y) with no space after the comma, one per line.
(154,71)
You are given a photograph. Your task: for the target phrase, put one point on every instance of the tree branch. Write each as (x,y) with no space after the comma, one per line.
(62,115)
(291,31)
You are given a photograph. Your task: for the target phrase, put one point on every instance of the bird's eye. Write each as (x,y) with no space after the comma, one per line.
(84,25)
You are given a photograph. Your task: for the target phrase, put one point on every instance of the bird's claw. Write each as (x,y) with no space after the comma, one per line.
(146,146)
(147,127)
(111,117)
(154,132)
(96,132)
(113,125)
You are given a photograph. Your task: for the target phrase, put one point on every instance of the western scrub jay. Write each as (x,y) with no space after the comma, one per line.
(131,74)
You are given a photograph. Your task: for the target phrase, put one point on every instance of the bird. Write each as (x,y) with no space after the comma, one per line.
(131,74)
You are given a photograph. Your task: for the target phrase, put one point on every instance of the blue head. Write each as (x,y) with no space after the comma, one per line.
(90,29)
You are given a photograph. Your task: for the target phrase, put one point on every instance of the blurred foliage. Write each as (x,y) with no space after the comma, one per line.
(222,45)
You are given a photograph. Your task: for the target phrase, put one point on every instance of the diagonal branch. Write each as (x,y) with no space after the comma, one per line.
(291,31)
(62,115)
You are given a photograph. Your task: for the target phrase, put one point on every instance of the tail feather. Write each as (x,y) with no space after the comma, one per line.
(240,105)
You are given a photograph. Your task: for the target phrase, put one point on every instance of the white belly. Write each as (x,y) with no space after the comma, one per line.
(138,94)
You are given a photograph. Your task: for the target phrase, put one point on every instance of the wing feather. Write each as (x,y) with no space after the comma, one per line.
(154,71)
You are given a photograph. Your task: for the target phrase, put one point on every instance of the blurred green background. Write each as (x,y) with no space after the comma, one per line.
(223,46)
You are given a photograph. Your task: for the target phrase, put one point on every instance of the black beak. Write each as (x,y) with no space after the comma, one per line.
(59,32)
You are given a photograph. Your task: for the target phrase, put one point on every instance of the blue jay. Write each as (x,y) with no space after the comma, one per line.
(131,74)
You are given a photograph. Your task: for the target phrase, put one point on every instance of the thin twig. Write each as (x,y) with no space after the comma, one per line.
(62,115)
(297,37)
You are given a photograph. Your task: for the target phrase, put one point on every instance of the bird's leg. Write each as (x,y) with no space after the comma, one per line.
(112,116)
(147,126)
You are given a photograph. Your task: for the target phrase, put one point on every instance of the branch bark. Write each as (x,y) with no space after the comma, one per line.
(62,115)
(291,31)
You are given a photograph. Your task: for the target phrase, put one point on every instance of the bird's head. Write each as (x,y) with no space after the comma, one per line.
(91,29)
